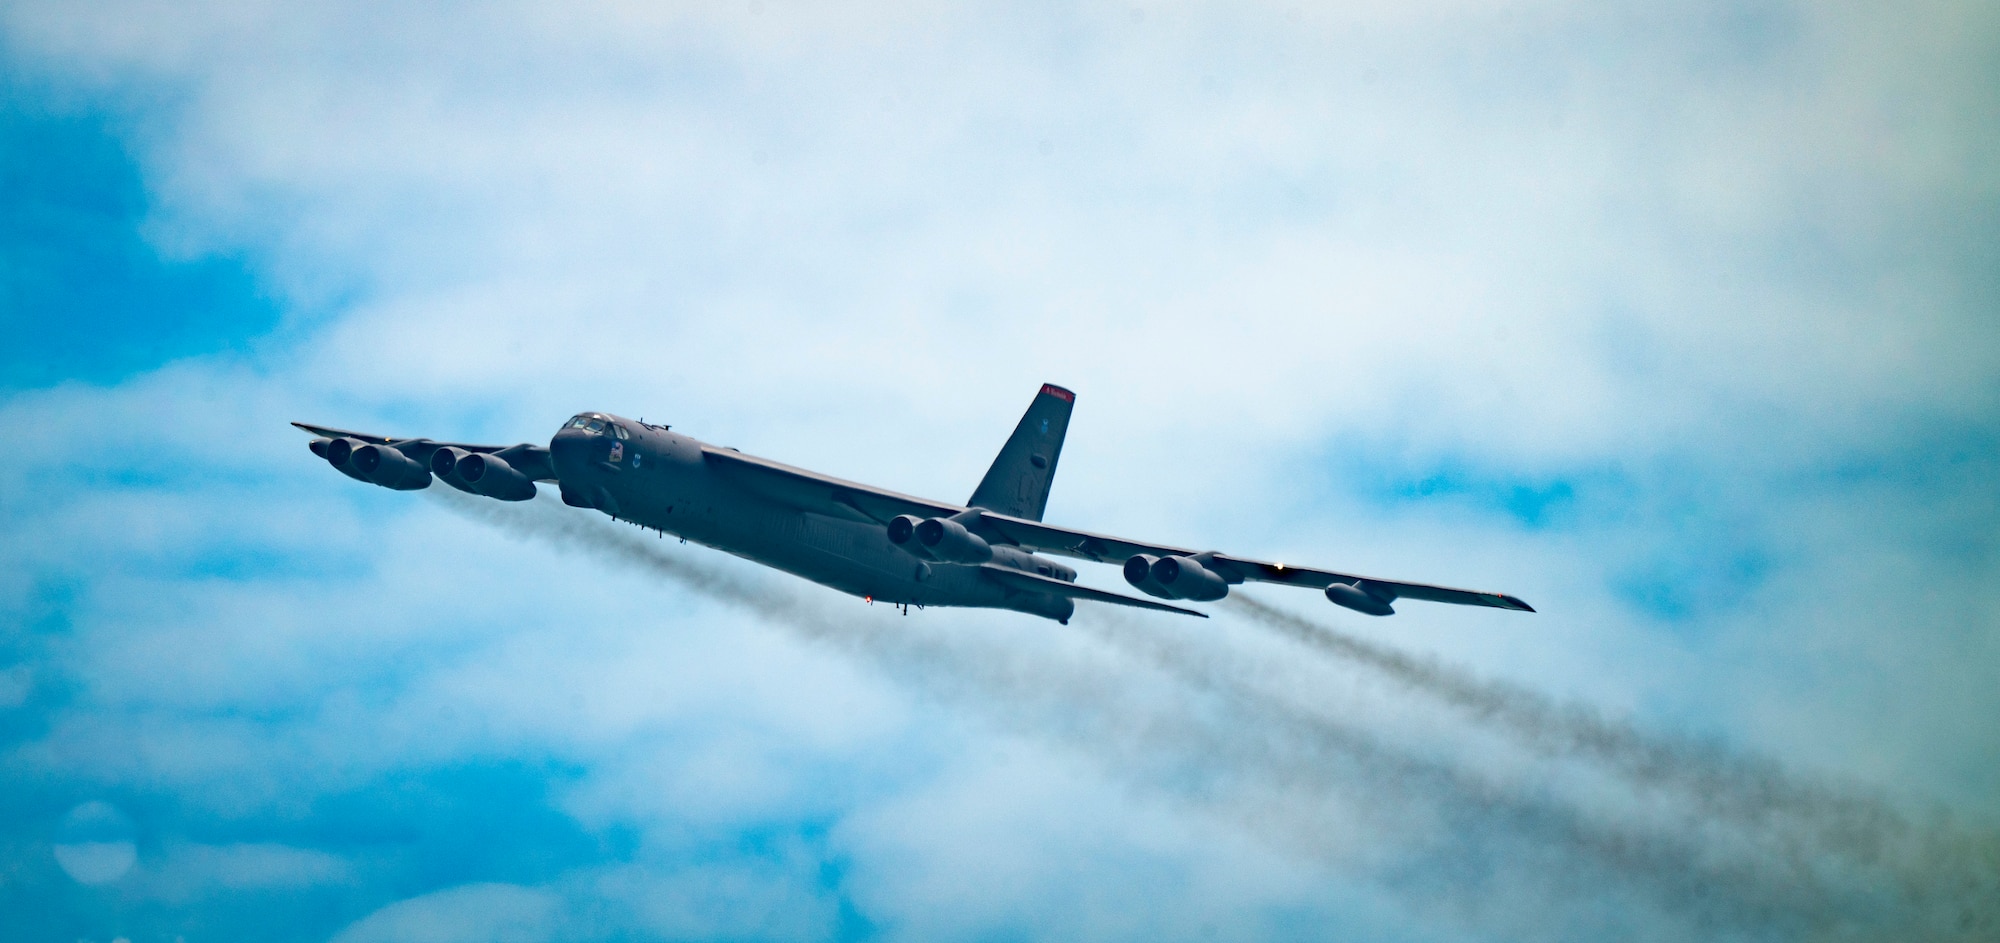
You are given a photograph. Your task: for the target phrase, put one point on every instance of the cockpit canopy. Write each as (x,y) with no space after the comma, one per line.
(597,423)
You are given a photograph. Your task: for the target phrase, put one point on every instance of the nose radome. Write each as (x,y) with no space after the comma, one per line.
(568,448)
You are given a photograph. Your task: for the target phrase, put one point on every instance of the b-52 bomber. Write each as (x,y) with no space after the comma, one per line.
(993,551)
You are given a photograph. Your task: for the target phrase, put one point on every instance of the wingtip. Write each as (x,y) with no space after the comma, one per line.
(1519,604)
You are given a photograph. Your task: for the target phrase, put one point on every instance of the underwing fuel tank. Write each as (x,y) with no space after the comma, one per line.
(1362,598)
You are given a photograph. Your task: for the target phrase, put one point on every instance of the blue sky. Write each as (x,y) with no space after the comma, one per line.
(89,298)
(1676,322)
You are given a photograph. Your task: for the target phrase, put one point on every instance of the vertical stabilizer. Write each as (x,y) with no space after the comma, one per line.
(1018,482)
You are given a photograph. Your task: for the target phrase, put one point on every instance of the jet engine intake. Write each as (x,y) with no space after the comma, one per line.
(444,464)
(1362,598)
(1186,578)
(385,466)
(902,528)
(948,540)
(490,475)
(1139,573)
(336,453)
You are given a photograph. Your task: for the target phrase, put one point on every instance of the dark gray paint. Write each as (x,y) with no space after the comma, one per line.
(987,553)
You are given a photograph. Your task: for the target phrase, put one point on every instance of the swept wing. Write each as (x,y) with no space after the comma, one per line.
(530,460)
(837,497)
(820,494)
(1107,549)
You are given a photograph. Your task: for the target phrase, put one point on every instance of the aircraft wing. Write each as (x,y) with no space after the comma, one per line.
(820,494)
(1048,585)
(1081,544)
(1102,548)
(530,460)
(1320,579)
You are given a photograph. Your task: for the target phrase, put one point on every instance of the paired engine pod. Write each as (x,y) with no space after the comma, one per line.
(902,528)
(1186,578)
(384,465)
(1139,573)
(336,452)
(948,540)
(444,464)
(1360,600)
(491,476)
(340,454)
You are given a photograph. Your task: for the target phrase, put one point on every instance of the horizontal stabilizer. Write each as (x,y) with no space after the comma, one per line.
(1050,586)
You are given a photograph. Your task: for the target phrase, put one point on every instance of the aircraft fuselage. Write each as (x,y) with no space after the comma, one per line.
(660,479)
(865,540)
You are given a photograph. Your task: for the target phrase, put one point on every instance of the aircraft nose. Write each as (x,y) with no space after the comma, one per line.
(570,449)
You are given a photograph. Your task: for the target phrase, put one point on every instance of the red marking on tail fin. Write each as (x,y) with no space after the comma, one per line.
(1050,389)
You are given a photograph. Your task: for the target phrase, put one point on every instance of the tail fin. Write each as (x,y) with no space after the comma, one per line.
(1018,482)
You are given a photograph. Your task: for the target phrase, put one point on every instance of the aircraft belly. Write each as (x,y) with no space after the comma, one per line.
(858,559)
(849,556)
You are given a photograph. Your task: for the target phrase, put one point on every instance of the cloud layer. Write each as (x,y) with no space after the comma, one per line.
(1675,322)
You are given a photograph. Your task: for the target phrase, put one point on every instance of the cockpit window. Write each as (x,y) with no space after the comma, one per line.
(620,431)
(595,425)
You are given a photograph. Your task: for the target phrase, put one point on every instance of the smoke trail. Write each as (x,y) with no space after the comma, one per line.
(1742,787)
(1937,867)
(1263,756)
(940,664)
(1294,746)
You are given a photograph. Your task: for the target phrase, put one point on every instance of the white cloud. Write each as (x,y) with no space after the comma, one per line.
(1712,253)
(486,913)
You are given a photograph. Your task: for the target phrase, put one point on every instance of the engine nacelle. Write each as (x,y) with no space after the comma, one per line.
(903,533)
(1186,578)
(491,476)
(444,464)
(948,540)
(1370,601)
(1139,573)
(387,467)
(337,452)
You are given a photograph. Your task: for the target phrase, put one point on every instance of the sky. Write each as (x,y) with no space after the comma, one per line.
(1677,321)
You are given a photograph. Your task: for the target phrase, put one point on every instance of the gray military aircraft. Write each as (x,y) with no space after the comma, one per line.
(862,540)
